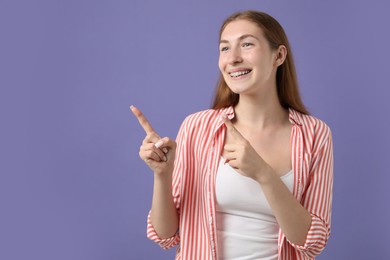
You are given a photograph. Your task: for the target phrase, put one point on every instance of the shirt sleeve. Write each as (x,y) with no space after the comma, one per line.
(179,168)
(317,199)
(165,243)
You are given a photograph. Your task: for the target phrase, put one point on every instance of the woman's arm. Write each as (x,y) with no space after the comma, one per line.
(159,154)
(164,216)
(293,219)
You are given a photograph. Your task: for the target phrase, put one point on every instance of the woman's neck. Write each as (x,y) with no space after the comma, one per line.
(260,114)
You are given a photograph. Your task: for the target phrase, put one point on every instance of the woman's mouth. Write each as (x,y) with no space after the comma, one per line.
(238,74)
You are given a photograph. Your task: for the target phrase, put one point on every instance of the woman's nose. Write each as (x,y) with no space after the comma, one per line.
(235,56)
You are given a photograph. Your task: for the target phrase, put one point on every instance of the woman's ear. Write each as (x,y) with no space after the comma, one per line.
(281,55)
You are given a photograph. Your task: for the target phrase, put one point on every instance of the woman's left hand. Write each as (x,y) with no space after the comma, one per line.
(241,156)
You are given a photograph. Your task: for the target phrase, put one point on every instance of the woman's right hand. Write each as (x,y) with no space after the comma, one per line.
(158,153)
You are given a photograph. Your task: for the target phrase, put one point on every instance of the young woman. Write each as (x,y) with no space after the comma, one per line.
(252,177)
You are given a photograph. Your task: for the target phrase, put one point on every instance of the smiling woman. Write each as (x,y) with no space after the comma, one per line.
(273,36)
(252,177)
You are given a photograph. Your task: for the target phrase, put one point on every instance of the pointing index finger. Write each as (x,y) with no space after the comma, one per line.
(142,120)
(231,127)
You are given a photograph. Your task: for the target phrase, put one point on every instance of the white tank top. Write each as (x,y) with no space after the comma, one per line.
(246,227)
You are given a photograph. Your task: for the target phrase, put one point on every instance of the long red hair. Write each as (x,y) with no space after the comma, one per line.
(286,77)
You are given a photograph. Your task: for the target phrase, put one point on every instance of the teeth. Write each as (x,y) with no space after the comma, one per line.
(239,73)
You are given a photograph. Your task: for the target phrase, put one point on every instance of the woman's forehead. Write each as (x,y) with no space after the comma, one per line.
(239,28)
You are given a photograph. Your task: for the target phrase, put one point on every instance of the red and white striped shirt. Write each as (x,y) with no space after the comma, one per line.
(199,146)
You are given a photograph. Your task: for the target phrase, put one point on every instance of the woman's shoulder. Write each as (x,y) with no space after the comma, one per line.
(205,119)
(310,124)
(203,116)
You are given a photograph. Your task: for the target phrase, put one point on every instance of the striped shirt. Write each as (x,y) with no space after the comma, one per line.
(200,143)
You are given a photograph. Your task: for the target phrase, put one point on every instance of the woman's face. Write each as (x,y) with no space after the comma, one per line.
(246,60)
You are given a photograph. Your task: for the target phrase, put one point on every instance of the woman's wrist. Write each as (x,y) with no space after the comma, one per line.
(163,175)
(265,175)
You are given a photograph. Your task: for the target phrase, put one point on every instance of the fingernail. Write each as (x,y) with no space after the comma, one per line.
(159,143)
(224,116)
(131,107)
(165,150)
(165,158)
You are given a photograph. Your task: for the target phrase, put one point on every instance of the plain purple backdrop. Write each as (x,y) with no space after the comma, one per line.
(71,183)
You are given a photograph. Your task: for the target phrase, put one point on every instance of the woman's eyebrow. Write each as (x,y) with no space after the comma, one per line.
(239,38)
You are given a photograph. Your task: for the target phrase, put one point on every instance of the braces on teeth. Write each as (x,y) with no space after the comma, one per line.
(239,73)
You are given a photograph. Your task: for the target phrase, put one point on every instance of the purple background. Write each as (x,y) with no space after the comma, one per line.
(71,183)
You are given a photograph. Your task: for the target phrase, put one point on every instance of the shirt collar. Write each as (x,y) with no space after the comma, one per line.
(294,116)
(229,111)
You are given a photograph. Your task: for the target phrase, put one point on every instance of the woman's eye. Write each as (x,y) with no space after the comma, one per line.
(246,44)
(224,48)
